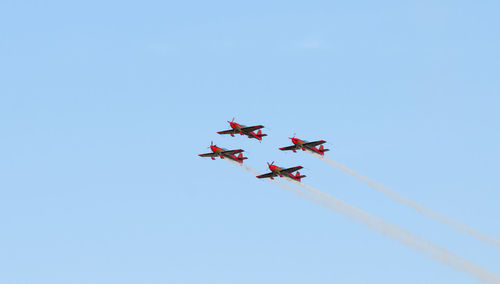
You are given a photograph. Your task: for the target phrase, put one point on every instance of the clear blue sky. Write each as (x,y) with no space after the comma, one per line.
(104,106)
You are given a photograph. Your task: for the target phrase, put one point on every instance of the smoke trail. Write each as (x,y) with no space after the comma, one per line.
(247,168)
(406,201)
(375,223)
(405,237)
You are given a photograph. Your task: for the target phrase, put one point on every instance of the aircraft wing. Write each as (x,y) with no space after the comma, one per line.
(232,152)
(288,148)
(265,175)
(208,155)
(314,143)
(252,128)
(290,170)
(226,131)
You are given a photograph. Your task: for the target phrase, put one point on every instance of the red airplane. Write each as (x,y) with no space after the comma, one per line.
(277,171)
(224,153)
(306,145)
(244,130)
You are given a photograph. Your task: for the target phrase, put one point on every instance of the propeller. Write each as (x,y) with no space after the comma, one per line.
(292,137)
(211,144)
(270,163)
(231,120)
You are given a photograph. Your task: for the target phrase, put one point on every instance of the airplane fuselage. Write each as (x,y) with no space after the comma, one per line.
(238,128)
(219,151)
(278,171)
(299,144)
(275,170)
(244,130)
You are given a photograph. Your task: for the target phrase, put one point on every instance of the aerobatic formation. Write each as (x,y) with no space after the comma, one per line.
(377,224)
(236,128)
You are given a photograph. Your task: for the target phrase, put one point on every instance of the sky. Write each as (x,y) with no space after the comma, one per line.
(105,106)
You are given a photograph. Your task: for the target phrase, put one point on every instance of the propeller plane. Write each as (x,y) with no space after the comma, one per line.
(244,130)
(224,153)
(306,146)
(281,172)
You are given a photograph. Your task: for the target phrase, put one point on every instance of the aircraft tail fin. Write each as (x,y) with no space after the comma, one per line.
(260,134)
(298,176)
(240,157)
(322,149)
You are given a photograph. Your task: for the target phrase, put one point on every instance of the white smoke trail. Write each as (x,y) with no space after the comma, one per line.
(247,168)
(417,207)
(427,248)
(405,237)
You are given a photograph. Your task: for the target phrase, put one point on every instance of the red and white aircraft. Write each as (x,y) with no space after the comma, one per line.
(244,130)
(306,145)
(224,153)
(277,171)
